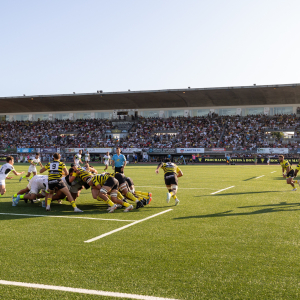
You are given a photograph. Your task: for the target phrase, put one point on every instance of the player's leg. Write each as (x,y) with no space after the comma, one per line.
(124,190)
(48,198)
(2,187)
(25,176)
(66,191)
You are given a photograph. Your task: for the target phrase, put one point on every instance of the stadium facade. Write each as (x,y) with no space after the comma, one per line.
(242,101)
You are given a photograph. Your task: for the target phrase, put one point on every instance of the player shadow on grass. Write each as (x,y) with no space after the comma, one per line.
(256,212)
(64,209)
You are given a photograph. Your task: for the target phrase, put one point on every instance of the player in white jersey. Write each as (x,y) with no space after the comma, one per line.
(77,158)
(34,161)
(87,157)
(4,171)
(37,184)
(106,159)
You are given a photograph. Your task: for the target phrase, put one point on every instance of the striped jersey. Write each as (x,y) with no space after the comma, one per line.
(170,167)
(55,169)
(83,173)
(100,179)
(285,164)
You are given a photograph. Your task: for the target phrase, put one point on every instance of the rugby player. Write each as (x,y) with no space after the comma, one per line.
(31,192)
(118,161)
(56,168)
(4,171)
(77,158)
(123,187)
(107,160)
(32,168)
(75,186)
(87,157)
(172,173)
(102,185)
(287,171)
(146,198)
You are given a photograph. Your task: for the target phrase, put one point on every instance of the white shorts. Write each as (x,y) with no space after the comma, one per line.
(106,162)
(2,182)
(36,184)
(86,159)
(32,168)
(77,162)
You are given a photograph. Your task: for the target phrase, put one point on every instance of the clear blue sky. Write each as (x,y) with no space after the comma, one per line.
(65,46)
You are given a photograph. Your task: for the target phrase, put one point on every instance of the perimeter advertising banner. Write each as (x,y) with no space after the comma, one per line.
(272,150)
(26,150)
(189,150)
(91,150)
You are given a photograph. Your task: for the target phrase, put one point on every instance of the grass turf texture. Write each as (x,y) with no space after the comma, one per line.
(242,243)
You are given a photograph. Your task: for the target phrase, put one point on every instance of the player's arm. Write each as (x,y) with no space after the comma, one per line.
(74,157)
(40,164)
(93,170)
(65,170)
(179,172)
(158,167)
(16,173)
(47,166)
(113,163)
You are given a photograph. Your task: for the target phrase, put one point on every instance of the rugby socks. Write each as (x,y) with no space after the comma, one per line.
(15,195)
(24,176)
(141,193)
(295,181)
(126,204)
(0,195)
(120,196)
(174,197)
(73,204)
(22,196)
(108,201)
(131,197)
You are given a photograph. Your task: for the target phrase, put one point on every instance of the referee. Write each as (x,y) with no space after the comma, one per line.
(118,161)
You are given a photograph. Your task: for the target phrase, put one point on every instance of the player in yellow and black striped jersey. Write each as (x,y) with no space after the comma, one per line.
(56,169)
(172,173)
(103,184)
(287,171)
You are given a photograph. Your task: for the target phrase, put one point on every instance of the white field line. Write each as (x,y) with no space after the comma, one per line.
(222,190)
(259,176)
(126,226)
(273,172)
(81,291)
(163,187)
(68,217)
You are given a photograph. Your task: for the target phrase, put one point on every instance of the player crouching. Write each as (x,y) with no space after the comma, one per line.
(102,185)
(172,173)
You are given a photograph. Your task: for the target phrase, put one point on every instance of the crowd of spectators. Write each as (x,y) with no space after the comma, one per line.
(234,132)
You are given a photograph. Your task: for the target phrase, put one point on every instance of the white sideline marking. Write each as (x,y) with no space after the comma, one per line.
(68,217)
(222,190)
(81,291)
(163,187)
(126,226)
(273,172)
(259,176)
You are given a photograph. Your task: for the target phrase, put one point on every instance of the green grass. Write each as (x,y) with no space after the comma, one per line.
(242,243)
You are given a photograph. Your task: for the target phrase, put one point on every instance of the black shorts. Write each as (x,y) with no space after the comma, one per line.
(120,177)
(171,178)
(290,173)
(56,183)
(129,181)
(118,169)
(111,182)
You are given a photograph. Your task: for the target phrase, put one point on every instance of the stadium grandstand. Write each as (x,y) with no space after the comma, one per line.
(197,125)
